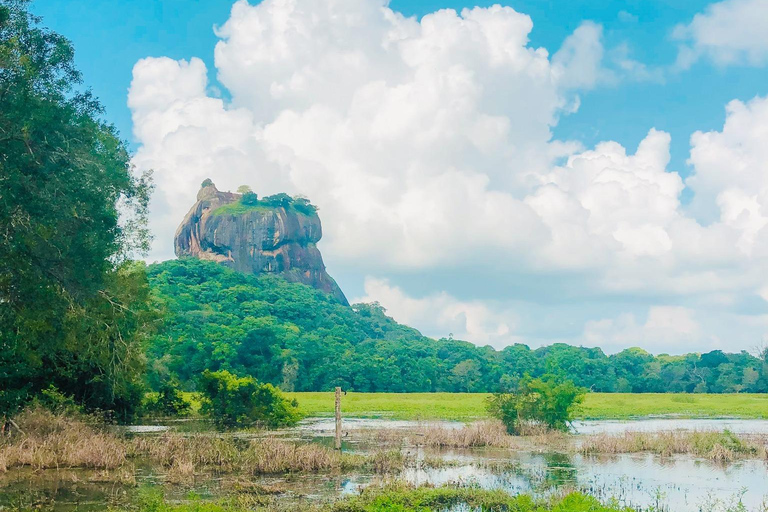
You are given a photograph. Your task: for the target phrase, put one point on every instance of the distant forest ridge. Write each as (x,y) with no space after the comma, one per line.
(300,339)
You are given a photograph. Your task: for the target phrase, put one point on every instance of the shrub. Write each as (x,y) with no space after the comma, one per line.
(544,401)
(278,200)
(168,401)
(233,401)
(249,199)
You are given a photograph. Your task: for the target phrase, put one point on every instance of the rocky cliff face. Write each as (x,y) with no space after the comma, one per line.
(256,239)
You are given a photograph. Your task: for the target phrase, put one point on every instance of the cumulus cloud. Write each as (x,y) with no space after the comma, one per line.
(729,32)
(442,315)
(427,144)
(666,329)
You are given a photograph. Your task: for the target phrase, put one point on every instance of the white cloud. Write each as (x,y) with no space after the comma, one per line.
(667,329)
(427,146)
(729,32)
(441,315)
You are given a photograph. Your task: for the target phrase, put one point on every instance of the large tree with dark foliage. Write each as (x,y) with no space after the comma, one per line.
(73,308)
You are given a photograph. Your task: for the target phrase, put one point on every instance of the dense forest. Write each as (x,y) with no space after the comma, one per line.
(74,309)
(300,339)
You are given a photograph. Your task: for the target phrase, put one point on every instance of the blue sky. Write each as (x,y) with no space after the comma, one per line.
(460,174)
(109,40)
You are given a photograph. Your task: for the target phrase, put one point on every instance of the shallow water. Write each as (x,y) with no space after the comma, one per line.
(674,484)
(737,426)
(327,426)
(678,484)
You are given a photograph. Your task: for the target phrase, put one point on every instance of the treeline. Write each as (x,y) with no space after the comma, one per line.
(299,339)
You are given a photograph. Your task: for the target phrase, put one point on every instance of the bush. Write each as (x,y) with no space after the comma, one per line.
(233,401)
(544,401)
(249,199)
(168,401)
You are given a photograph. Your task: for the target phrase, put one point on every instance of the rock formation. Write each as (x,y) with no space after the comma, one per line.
(259,238)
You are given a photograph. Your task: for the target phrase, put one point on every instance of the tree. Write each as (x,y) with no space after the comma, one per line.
(73,310)
(249,199)
(546,401)
(244,189)
(239,401)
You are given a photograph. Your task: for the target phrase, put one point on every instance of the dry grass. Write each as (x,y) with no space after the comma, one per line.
(48,440)
(717,446)
(484,433)
(184,456)
(388,461)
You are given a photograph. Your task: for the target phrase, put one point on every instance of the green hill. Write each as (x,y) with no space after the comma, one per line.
(301,339)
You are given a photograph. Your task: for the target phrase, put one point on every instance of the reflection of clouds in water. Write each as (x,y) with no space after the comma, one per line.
(737,426)
(644,480)
(681,483)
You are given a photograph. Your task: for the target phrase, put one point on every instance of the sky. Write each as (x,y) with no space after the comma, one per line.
(586,172)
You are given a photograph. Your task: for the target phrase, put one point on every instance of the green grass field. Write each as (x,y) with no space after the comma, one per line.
(471,406)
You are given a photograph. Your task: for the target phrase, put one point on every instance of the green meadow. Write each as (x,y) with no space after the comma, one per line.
(471,406)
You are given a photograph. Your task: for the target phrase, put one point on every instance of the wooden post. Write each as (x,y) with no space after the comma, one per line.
(338,418)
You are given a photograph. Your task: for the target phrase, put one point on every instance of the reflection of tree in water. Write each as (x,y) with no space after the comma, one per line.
(559,470)
(555,471)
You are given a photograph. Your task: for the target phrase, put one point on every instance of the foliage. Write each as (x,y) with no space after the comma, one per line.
(297,337)
(544,401)
(249,199)
(238,401)
(72,309)
(409,499)
(167,401)
(397,498)
(239,208)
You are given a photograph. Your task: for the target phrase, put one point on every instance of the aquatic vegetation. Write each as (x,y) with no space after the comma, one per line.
(396,497)
(717,446)
(482,433)
(48,440)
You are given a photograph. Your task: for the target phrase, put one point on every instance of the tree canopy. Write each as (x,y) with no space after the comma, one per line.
(298,338)
(72,307)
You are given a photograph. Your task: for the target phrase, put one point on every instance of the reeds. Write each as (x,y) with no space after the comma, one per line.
(722,446)
(48,440)
(185,455)
(484,433)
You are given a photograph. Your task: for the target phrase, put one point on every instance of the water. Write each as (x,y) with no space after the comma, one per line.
(737,426)
(679,484)
(674,484)
(327,426)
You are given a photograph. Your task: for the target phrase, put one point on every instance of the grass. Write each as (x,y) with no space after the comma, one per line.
(471,406)
(392,498)
(238,208)
(56,440)
(716,446)
(59,440)
(482,433)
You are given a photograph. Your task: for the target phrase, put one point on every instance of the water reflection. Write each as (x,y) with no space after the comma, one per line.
(675,484)
(679,484)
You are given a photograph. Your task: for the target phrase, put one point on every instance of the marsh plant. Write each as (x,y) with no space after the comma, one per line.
(722,446)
